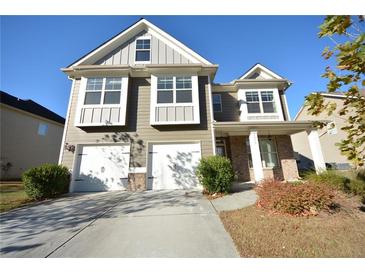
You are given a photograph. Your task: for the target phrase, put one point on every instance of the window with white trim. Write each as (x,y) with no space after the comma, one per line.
(268,152)
(143,50)
(174,89)
(103,91)
(260,102)
(217,103)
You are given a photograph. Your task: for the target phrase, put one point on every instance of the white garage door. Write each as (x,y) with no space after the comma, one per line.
(101,168)
(172,166)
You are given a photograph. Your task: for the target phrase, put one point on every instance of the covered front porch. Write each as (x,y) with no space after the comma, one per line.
(260,150)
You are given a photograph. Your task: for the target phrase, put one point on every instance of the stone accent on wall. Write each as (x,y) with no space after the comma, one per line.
(286,158)
(239,157)
(136,181)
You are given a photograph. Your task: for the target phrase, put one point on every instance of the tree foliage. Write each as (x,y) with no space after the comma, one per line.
(347,34)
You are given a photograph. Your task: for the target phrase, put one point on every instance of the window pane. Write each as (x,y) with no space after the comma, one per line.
(142,55)
(220,150)
(183,82)
(165,83)
(143,44)
(252,96)
(217,107)
(269,159)
(267,96)
(253,107)
(94,84)
(113,84)
(267,145)
(269,107)
(42,129)
(112,97)
(216,98)
(92,98)
(183,96)
(164,96)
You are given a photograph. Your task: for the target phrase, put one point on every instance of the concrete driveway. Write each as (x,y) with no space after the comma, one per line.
(117,224)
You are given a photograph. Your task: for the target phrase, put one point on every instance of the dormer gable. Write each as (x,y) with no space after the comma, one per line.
(123,48)
(260,72)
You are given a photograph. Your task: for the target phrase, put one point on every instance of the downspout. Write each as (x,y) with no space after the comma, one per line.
(211,113)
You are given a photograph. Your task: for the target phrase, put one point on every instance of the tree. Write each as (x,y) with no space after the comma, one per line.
(348,52)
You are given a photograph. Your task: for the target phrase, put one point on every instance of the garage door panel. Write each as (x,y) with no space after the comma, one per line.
(102,168)
(172,166)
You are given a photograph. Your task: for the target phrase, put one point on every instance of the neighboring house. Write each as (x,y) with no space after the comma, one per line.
(329,136)
(144,110)
(30,135)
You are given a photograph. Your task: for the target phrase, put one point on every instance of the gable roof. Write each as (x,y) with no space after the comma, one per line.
(30,106)
(259,66)
(132,30)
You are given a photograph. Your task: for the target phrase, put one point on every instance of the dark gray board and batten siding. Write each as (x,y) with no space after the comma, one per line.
(138,131)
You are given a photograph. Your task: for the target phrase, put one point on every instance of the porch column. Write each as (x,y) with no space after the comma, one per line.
(315,147)
(256,156)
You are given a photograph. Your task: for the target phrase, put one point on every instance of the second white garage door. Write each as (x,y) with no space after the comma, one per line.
(172,166)
(101,168)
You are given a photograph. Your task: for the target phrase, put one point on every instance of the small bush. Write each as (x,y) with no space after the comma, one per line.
(360,174)
(46,181)
(349,184)
(216,174)
(294,199)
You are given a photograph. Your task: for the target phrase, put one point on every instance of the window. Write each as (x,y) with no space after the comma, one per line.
(107,88)
(217,103)
(42,129)
(173,89)
(253,102)
(268,152)
(331,128)
(143,50)
(260,102)
(220,147)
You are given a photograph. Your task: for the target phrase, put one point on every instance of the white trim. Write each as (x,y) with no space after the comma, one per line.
(122,104)
(194,94)
(297,115)
(165,37)
(316,150)
(220,102)
(243,105)
(147,37)
(268,71)
(211,114)
(256,156)
(286,107)
(66,123)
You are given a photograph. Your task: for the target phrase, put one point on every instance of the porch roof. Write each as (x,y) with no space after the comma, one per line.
(263,128)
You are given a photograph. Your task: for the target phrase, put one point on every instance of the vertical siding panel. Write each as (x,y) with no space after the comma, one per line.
(116,58)
(124,57)
(154,50)
(169,55)
(132,48)
(161,53)
(176,57)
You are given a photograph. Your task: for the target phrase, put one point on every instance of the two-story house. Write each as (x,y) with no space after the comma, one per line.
(144,110)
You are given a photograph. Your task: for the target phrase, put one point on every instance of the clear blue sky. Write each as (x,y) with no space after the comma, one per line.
(34,48)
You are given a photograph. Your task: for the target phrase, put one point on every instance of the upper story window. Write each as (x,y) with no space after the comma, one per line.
(174,89)
(217,103)
(102,101)
(42,129)
(103,91)
(143,50)
(174,100)
(260,102)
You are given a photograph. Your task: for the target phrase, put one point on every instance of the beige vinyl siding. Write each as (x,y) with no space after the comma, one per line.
(330,151)
(229,107)
(138,131)
(160,53)
(21,146)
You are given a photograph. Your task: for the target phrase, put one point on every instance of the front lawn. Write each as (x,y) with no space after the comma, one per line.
(12,195)
(259,233)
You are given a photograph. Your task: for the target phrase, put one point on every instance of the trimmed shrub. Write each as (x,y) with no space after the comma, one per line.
(294,199)
(360,174)
(46,181)
(216,174)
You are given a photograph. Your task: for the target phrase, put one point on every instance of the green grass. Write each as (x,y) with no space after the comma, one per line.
(12,195)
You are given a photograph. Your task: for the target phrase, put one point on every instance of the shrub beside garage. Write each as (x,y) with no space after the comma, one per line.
(46,181)
(216,174)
